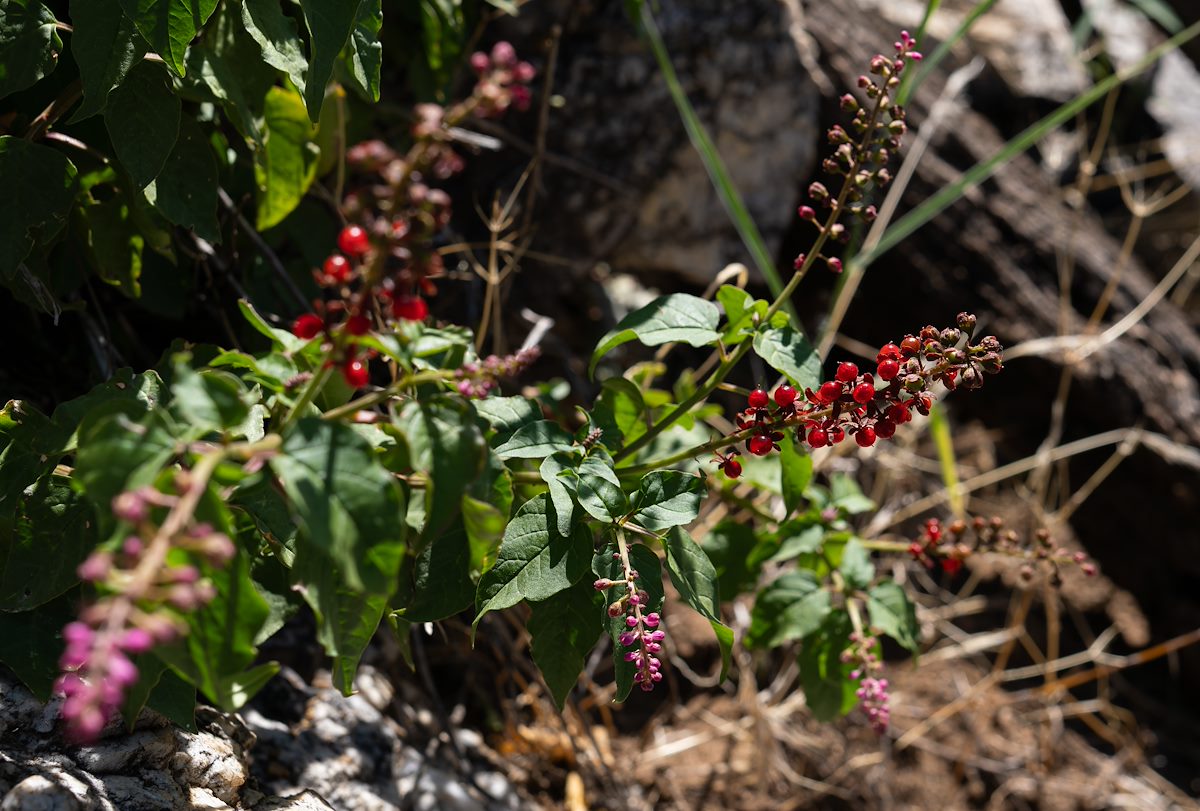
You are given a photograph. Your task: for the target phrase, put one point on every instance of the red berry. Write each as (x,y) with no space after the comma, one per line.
(757,398)
(888,369)
(337,267)
(864,393)
(358,324)
(836,434)
(308,326)
(817,438)
(885,429)
(353,240)
(829,392)
(951,566)
(785,395)
(888,351)
(732,468)
(760,444)
(865,437)
(910,345)
(356,374)
(410,308)
(897,413)
(846,372)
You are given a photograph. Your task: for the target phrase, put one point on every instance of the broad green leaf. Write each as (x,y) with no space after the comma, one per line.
(790,607)
(22,461)
(39,186)
(798,540)
(789,352)
(219,644)
(740,309)
(169,25)
(120,449)
(208,400)
(649,571)
(150,670)
(563,629)
(845,494)
(106,46)
(174,698)
(535,440)
(228,63)
(143,391)
(282,339)
(363,54)
(675,318)
(329,25)
(54,530)
(142,119)
(561,495)
(31,642)
(667,498)
(185,191)
(695,579)
(346,618)
(856,564)
(728,546)
(484,525)
(114,244)
(29,44)
(446,444)
(893,613)
(620,412)
(287,164)
(348,506)
(437,584)
(597,489)
(828,688)
(506,414)
(276,34)
(534,562)
(796,467)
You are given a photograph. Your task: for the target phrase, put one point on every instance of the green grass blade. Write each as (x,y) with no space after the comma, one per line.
(910,83)
(717,173)
(939,429)
(980,172)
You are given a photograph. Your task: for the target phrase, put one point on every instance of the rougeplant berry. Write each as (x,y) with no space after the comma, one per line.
(308,326)
(356,373)
(337,268)
(410,308)
(354,241)
(758,399)
(785,395)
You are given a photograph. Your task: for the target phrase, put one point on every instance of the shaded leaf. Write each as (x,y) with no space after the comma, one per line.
(29,44)
(649,571)
(228,63)
(678,317)
(169,25)
(363,55)
(277,37)
(31,642)
(856,564)
(563,629)
(39,186)
(54,530)
(695,579)
(792,606)
(115,244)
(828,688)
(438,581)
(185,191)
(106,46)
(796,469)
(329,25)
(893,613)
(142,119)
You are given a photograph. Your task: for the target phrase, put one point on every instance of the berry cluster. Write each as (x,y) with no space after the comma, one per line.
(869,405)
(387,260)
(861,158)
(642,634)
(951,544)
(143,598)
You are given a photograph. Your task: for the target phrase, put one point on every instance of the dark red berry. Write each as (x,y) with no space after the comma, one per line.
(888,351)
(897,413)
(885,429)
(732,468)
(888,369)
(410,308)
(836,434)
(829,391)
(817,438)
(356,373)
(785,395)
(757,398)
(846,372)
(865,437)
(910,345)
(358,324)
(760,444)
(951,566)
(353,240)
(308,326)
(337,267)
(864,393)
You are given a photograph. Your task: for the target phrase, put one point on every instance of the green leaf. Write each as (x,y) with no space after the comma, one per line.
(893,613)
(106,46)
(346,618)
(276,34)
(363,55)
(208,400)
(228,63)
(115,244)
(484,525)
(507,414)
(169,25)
(695,579)
(790,607)
(535,440)
(282,339)
(846,495)
(728,546)
(54,530)
(939,430)
(562,497)
(675,318)
(856,564)
(796,468)
(438,581)
(22,461)
(29,44)
(142,119)
(807,540)
(667,498)
(620,412)
(828,688)
(789,352)
(39,186)
(31,642)
(164,692)
(563,629)
(141,392)
(121,448)
(329,25)
(740,308)
(598,490)
(649,571)
(185,191)
(287,164)
(219,644)
(348,506)
(535,562)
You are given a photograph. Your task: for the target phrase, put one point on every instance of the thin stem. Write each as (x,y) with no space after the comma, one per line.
(307,394)
(376,397)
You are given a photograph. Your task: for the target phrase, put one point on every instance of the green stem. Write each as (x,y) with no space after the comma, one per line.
(307,395)
(376,397)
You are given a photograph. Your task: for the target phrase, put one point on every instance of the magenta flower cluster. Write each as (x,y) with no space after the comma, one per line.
(477,379)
